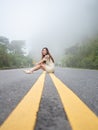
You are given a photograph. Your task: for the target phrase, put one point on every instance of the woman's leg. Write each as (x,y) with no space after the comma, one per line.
(37,67)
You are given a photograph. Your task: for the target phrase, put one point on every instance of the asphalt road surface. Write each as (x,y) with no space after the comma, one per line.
(14,85)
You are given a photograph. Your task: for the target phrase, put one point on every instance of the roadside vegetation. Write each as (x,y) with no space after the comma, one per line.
(80,55)
(83,55)
(13,55)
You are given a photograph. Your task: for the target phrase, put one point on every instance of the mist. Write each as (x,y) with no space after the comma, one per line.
(56,24)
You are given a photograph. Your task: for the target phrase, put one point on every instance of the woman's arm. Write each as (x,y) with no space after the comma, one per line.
(41,61)
(44,59)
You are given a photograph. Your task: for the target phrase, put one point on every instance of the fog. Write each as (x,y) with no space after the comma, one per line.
(56,24)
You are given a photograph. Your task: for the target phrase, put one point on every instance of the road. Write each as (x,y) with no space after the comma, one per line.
(14,85)
(83,83)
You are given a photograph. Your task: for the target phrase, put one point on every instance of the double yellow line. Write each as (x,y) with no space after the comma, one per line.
(25,114)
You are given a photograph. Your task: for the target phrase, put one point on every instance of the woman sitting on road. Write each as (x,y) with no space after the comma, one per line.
(46,63)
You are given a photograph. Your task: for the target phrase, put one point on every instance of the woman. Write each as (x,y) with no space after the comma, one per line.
(46,63)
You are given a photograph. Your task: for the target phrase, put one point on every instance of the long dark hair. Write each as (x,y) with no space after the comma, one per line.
(48,53)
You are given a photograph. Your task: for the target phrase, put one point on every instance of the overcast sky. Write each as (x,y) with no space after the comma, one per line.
(57,24)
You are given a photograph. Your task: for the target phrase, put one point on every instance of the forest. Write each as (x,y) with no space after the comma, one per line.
(82,55)
(13,55)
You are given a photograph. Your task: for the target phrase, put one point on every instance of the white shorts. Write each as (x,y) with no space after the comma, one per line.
(50,68)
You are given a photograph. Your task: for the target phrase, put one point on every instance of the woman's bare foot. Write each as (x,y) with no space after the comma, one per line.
(28,71)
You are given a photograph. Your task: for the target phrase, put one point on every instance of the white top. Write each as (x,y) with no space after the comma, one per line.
(49,65)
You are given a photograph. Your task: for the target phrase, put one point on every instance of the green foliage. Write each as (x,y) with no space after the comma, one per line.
(12,54)
(84,55)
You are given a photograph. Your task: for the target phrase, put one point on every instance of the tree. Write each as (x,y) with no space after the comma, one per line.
(12,55)
(84,55)
(16,47)
(4,40)
(3,51)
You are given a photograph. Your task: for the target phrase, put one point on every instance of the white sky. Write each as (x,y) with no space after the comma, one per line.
(56,24)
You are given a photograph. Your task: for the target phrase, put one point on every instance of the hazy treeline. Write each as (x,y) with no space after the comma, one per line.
(84,55)
(12,54)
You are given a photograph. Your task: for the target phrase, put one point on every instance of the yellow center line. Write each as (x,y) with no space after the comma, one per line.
(25,114)
(79,115)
